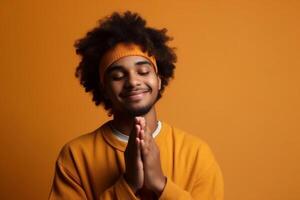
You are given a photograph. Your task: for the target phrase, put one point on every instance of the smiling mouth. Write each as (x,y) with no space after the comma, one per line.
(135,95)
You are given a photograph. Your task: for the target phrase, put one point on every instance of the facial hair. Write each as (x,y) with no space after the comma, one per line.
(141,111)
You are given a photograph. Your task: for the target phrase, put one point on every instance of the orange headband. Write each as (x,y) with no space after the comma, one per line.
(119,51)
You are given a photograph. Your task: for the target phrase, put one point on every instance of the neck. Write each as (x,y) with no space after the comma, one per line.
(124,123)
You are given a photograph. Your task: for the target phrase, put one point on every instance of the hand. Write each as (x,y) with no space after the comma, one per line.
(154,178)
(134,173)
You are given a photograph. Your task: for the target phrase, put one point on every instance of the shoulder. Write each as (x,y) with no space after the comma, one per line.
(185,138)
(191,146)
(80,146)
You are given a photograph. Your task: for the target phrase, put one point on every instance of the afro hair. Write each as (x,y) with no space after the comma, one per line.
(124,27)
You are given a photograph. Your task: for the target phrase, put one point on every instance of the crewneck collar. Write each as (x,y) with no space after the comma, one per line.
(110,137)
(124,138)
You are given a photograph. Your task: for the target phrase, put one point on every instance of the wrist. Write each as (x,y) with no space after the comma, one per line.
(160,186)
(132,186)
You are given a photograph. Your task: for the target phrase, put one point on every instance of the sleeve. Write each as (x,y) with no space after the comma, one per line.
(67,185)
(208,184)
(120,190)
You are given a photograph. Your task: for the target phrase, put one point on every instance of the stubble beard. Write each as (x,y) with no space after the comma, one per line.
(141,111)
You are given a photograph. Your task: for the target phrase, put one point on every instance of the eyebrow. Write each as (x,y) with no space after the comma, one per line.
(142,62)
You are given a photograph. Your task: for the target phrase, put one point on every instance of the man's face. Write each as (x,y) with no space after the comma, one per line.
(132,85)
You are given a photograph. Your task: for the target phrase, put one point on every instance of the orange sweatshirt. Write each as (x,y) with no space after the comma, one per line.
(92,167)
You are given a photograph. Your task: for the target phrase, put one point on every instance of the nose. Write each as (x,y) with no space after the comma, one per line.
(132,80)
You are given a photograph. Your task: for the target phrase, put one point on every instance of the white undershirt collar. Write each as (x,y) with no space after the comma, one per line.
(124,138)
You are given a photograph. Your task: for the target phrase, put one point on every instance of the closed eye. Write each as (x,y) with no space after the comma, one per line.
(117,78)
(144,73)
(117,75)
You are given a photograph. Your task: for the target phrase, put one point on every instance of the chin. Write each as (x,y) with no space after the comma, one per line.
(139,111)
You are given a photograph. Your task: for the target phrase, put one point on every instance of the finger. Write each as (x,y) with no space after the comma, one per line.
(145,136)
(137,120)
(137,129)
(144,149)
(138,149)
(143,123)
(133,135)
(138,132)
(142,134)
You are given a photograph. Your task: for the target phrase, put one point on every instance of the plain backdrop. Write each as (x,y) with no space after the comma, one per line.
(236,86)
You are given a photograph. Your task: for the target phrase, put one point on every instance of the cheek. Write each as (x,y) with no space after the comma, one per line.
(154,83)
(113,90)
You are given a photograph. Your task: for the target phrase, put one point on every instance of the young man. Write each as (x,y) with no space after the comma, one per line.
(126,66)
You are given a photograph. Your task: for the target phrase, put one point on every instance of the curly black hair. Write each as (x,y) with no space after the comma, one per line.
(124,27)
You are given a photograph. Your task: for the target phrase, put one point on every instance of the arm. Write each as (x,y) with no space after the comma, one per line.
(208,187)
(65,187)
(120,190)
(209,182)
(67,184)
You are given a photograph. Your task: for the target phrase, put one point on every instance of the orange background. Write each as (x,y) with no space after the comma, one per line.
(237,86)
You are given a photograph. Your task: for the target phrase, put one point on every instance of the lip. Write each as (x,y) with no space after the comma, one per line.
(134,95)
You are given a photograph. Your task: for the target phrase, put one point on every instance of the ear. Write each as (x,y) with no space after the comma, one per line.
(159,82)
